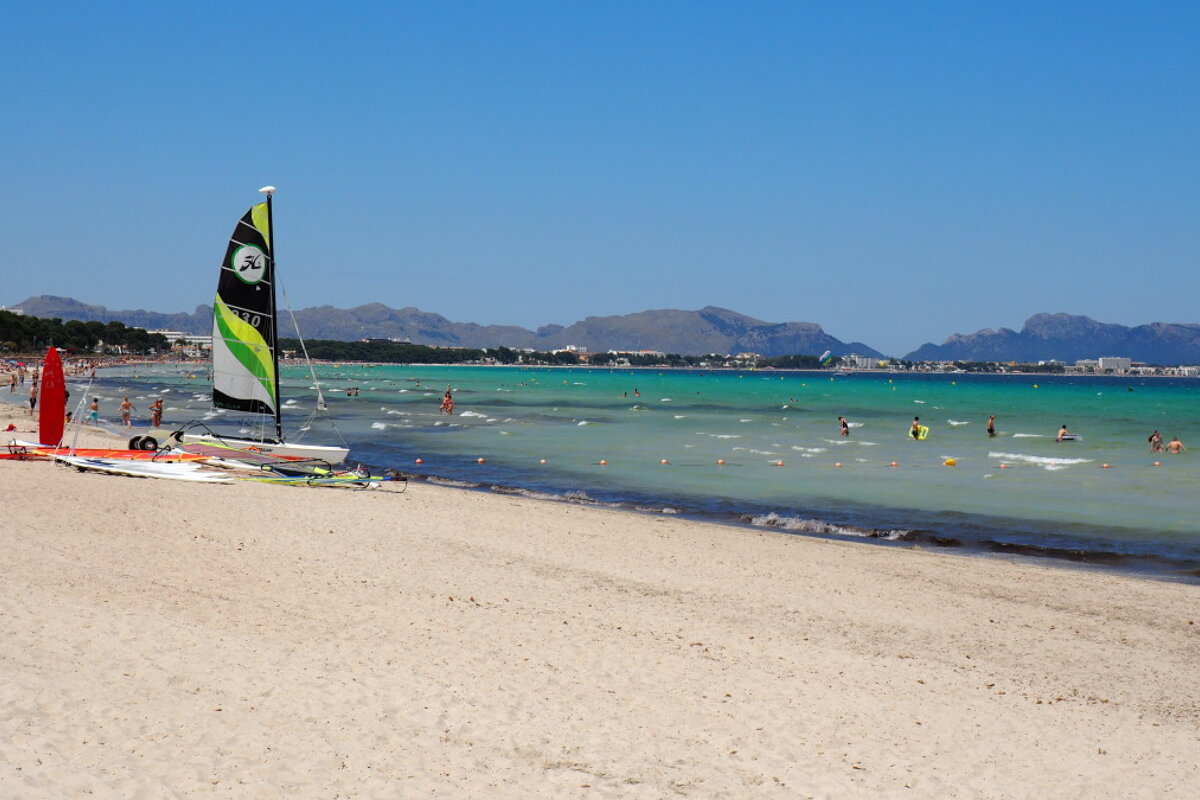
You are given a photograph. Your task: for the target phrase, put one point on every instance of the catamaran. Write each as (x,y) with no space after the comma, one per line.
(245,355)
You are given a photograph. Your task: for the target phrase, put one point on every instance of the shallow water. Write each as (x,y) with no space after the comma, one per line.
(1047,494)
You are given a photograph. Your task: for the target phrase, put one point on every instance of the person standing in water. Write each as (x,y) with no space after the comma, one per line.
(845,426)
(916,428)
(127,410)
(992,426)
(1156,442)
(1063,434)
(1175,446)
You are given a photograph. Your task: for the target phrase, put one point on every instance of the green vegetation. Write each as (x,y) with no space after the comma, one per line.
(387,352)
(382,352)
(21,334)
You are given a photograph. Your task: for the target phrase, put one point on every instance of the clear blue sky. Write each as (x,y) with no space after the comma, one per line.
(896,172)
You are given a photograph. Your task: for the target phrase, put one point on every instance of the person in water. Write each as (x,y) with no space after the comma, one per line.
(448,401)
(916,428)
(845,426)
(127,410)
(1175,446)
(992,426)
(1156,442)
(1063,433)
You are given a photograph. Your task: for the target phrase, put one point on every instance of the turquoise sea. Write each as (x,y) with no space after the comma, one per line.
(546,431)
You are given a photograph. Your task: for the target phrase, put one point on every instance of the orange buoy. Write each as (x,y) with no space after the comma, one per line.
(663,461)
(779,463)
(950,462)
(603,463)
(479,461)
(1104,466)
(420,461)
(1158,463)
(720,461)
(542,461)
(894,464)
(837,463)
(1004,466)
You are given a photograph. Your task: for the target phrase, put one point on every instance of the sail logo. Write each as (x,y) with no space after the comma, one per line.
(249,263)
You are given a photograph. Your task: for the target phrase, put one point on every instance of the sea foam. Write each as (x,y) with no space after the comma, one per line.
(1041,461)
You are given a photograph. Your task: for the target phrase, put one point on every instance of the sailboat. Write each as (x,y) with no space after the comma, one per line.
(245,355)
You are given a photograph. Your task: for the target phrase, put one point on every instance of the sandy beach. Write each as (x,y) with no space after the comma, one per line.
(164,639)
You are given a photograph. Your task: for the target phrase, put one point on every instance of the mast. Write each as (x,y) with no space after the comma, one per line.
(269,191)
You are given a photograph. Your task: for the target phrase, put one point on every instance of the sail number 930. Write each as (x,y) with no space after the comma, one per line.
(253,319)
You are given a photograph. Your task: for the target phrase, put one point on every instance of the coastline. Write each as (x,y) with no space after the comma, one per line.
(856,522)
(443,642)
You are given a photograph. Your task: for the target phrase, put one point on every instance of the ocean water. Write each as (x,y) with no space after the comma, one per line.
(546,431)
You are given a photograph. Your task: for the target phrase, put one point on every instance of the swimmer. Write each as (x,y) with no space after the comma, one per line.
(845,426)
(991,429)
(1063,433)
(1156,442)
(1175,446)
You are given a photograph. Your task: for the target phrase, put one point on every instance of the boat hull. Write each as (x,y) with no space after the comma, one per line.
(333,455)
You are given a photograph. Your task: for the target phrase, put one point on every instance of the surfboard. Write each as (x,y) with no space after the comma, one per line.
(144,469)
(52,399)
(33,449)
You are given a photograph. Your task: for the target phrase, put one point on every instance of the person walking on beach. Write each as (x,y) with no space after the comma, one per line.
(127,410)
(1156,442)
(845,426)
(93,412)
(12,382)
(156,409)
(1175,446)
(32,398)
(992,426)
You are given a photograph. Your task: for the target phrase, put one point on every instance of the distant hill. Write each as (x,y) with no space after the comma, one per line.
(1069,338)
(709,330)
(49,307)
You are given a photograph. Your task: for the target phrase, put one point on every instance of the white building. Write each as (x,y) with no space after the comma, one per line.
(860,362)
(1113,363)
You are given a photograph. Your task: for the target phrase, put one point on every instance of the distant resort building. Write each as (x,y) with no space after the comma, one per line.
(1114,364)
(194,346)
(20,312)
(854,361)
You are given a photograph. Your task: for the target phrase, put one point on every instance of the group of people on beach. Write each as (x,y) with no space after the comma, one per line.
(126,408)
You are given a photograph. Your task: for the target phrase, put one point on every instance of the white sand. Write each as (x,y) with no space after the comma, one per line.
(163,639)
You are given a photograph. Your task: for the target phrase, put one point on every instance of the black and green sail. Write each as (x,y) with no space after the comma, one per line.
(245,368)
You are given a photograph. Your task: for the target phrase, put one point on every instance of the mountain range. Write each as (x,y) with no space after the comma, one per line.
(709,330)
(1069,338)
(1065,337)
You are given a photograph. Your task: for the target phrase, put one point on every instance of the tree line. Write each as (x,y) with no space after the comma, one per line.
(23,334)
(381,352)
